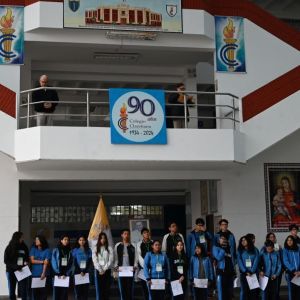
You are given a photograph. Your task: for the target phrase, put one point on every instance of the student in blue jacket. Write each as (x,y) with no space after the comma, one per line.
(278,249)
(40,257)
(61,263)
(225,268)
(270,266)
(248,259)
(198,236)
(229,236)
(82,257)
(156,266)
(200,268)
(291,261)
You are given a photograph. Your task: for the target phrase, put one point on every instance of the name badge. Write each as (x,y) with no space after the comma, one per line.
(180,269)
(202,239)
(64,261)
(82,264)
(20,261)
(158,268)
(248,263)
(276,247)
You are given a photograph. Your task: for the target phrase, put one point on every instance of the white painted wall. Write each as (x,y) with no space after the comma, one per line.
(93,144)
(8,126)
(9,210)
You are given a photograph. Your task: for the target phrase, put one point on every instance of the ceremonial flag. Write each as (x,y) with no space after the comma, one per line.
(100,224)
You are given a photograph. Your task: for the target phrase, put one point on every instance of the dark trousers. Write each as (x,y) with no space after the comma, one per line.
(12,283)
(295,292)
(102,284)
(126,288)
(200,294)
(39,294)
(145,289)
(82,291)
(225,287)
(60,293)
(271,291)
(246,293)
(157,294)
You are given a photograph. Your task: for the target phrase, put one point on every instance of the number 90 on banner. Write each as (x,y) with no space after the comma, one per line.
(137,116)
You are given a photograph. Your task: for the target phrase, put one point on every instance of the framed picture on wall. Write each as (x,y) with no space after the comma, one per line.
(136,225)
(204,197)
(282,190)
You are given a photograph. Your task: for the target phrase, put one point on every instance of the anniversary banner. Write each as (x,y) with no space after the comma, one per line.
(137,116)
(138,15)
(230,44)
(11,34)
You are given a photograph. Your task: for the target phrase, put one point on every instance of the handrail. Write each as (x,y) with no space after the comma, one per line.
(230,116)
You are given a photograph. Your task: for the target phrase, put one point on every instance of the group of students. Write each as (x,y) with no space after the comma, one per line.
(204,263)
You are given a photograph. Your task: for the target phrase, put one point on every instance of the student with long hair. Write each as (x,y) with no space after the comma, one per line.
(156,266)
(248,260)
(40,257)
(291,261)
(82,257)
(278,249)
(16,256)
(270,266)
(103,258)
(179,267)
(62,262)
(200,268)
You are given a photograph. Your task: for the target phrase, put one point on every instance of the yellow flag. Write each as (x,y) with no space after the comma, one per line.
(100,224)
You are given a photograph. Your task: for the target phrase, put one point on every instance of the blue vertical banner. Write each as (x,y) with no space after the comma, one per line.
(11,35)
(230,44)
(137,116)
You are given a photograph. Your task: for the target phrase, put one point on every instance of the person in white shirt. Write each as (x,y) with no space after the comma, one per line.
(103,258)
(170,240)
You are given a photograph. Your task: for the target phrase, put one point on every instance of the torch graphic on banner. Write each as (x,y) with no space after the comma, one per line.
(123,118)
(100,224)
(230,47)
(6,22)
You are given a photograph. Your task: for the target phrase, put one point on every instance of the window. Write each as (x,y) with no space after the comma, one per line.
(106,15)
(114,15)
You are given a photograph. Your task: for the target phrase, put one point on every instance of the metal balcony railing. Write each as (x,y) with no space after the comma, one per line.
(26,114)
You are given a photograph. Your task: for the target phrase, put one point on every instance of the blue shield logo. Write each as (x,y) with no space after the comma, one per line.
(74,5)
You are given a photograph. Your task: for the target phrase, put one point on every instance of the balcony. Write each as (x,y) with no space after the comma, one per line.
(80,135)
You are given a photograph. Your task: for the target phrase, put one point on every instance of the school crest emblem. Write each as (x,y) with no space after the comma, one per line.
(74,5)
(171,10)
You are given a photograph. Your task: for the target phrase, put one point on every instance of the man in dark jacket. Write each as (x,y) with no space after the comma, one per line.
(177,110)
(45,108)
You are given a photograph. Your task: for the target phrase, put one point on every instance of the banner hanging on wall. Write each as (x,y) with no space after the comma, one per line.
(282,184)
(11,35)
(139,15)
(137,116)
(230,44)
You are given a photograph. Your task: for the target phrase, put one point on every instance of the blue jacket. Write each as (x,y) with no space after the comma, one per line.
(243,255)
(219,255)
(194,268)
(231,241)
(37,269)
(291,260)
(56,263)
(150,262)
(270,263)
(78,256)
(196,238)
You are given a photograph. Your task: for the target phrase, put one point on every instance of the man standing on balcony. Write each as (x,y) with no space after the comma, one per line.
(177,110)
(46,108)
